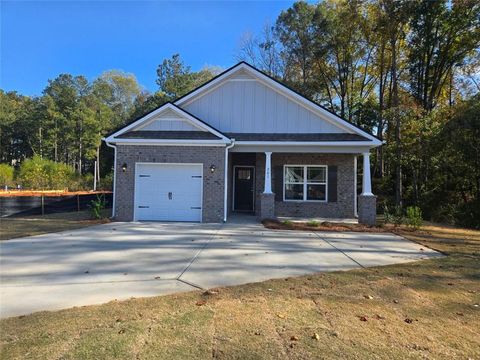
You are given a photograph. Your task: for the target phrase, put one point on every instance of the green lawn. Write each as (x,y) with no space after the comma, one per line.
(425,309)
(14,227)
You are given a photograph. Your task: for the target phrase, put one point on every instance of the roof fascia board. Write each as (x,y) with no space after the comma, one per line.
(307,143)
(302,149)
(122,141)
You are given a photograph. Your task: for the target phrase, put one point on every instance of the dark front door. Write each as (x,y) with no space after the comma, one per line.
(244,182)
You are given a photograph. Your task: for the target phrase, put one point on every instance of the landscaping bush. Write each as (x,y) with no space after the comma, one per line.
(395,217)
(42,174)
(414,217)
(313,223)
(6,175)
(97,206)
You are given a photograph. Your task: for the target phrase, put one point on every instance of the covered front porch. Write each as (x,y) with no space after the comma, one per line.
(287,184)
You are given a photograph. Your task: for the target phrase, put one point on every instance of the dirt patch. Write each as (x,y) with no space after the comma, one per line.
(15,227)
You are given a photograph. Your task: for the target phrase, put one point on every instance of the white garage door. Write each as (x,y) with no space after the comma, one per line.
(168,192)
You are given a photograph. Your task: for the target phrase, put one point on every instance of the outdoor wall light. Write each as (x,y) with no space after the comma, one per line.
(124,167)
(212,168)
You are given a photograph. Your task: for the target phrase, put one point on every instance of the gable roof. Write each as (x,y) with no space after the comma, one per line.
(243,67)
(130,128)
(278,86)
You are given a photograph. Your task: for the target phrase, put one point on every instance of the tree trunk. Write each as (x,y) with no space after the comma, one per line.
(381,94)
(395,103)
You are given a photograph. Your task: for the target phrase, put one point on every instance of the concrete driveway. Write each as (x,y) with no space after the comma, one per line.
(122,260)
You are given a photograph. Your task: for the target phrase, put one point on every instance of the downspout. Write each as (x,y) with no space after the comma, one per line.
(355,208)
(225,194)
(114,174)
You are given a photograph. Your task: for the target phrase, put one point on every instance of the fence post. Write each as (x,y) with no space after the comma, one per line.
(43,205)
(78,203)
(95,177)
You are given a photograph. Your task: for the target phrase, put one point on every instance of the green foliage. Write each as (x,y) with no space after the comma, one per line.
(42,174)
(107,182)
(394,217)
(176,79)
(467,215)
(97,206)
(313,223)
(414,217)
(287,222)
(6,175)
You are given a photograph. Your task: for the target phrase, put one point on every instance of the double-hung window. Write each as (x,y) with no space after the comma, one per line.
(305,183)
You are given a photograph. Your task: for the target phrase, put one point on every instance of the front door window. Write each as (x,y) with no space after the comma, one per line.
(244,192)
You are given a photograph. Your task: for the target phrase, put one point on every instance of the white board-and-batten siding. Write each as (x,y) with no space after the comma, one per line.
(169,121)
(249,106)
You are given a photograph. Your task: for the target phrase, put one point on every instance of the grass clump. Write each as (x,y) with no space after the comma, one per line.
(313,223)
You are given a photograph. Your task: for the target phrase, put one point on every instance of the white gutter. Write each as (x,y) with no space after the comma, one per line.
(166,142)
(371,144)
(114,174)
(225,193)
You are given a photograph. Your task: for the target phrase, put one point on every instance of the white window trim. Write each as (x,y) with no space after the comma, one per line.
(305,183)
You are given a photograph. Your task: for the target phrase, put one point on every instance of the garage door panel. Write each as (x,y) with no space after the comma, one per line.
(169,192)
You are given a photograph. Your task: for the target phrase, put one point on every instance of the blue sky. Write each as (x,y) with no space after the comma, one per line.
(40,39)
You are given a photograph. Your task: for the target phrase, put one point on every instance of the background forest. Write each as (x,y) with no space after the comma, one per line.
(407,71)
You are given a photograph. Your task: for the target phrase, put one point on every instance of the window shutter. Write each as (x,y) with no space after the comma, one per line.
(278,182)
(332,184)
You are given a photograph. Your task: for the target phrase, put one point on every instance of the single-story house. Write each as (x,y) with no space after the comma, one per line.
(241,142)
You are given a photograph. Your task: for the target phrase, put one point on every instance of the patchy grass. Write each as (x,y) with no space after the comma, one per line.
(14,227)
(425,309)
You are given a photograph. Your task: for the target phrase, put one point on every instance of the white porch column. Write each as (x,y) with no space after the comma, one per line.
(268,173)
(367,182)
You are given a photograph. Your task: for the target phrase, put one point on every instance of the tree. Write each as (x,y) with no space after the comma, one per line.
(6,175)
(264,52)
(294,28)
(175,79)
(118,90)
(442,36)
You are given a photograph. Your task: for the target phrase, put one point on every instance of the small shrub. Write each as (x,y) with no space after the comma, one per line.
(6,175)
(395,217)
(97,206)
(414,217)
(287,223)
(313,223)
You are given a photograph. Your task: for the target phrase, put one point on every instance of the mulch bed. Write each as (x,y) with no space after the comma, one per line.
(329,226)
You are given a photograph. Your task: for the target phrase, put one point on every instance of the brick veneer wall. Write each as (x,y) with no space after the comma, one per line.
(342,208)
(213,184)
